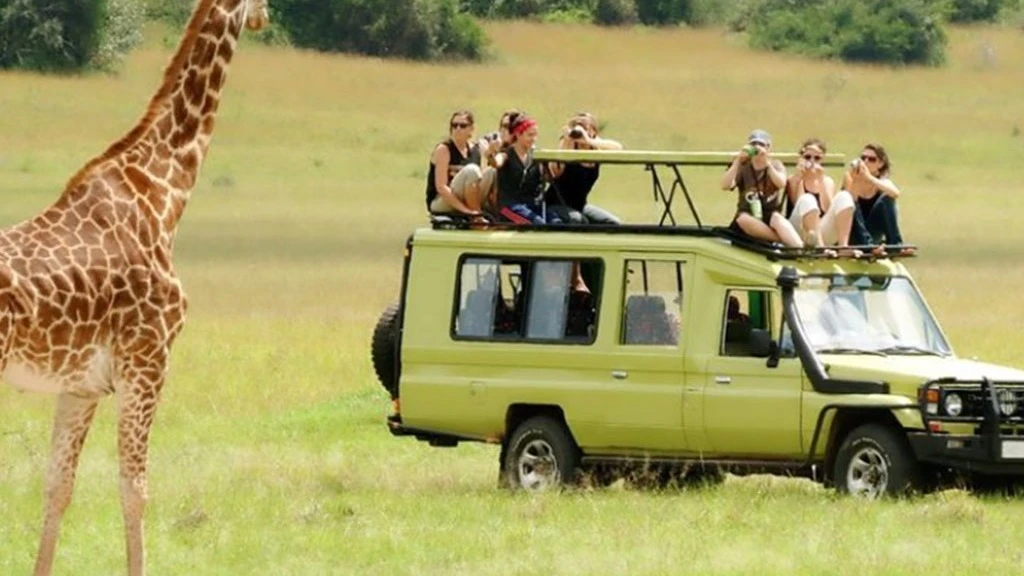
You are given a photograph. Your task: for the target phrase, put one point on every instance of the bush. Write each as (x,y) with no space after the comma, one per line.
(615,12)
(50,36)
(885,31)
(121,31)
(417,29)
(976,10)
(663,12)
(173,12)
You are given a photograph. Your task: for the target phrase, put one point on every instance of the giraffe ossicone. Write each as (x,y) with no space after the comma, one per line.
(90,304)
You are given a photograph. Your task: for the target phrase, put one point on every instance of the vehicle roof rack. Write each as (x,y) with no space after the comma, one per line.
(771,250)
(652,160)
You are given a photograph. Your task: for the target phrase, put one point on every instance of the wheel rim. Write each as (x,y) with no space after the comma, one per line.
(868,475)
(537,466)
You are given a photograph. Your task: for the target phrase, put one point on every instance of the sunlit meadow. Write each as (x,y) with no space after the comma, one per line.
(269,454)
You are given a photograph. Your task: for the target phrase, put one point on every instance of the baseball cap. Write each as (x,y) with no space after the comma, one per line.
(760,137)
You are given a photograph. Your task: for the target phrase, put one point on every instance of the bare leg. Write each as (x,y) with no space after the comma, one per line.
(70,427)
(812,221)
(136,409)
(785,231)
(578,285)
(755,228)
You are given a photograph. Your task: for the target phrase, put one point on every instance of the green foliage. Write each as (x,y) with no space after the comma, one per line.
(417,29)
(50,36)
(121,32)
(615,12)
(173,12)
(977,10)
(885,31)
(663,12)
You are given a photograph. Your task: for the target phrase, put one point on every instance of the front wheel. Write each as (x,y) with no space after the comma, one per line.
(875,461)
(541,454)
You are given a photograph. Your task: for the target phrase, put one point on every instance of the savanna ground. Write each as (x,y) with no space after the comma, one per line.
(269,454)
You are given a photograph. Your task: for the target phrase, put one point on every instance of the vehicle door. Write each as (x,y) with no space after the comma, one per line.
(750,409)
(646,378)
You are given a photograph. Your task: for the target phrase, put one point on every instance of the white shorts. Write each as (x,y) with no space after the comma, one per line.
(842,201)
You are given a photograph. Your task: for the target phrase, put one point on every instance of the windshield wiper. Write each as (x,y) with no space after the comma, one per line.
(909,349)
(850,351)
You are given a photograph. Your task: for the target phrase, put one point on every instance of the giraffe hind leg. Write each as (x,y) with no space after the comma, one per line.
(70,426)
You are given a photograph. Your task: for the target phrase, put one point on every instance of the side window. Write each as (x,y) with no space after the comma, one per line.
(652,309)
(529,300)
(745,311)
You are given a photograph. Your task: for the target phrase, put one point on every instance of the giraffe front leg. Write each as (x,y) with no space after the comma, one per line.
(136,409)
(70,427)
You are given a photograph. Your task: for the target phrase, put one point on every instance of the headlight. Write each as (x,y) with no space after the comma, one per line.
(953,404)
(1007,402)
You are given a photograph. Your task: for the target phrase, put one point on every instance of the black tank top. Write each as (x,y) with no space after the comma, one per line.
(573,185)
(455,163)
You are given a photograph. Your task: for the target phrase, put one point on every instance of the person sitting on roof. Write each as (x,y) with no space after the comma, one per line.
(822,216)
(876,217)
(455,179)
(759,179)
(520,182)
(573,181)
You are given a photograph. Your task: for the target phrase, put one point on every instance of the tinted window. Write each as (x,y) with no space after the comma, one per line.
(652,309)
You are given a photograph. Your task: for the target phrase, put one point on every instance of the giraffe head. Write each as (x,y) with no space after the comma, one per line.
(256,14)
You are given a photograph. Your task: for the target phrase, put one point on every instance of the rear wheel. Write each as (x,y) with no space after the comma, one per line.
(540,455)
(874,461)
(384,349)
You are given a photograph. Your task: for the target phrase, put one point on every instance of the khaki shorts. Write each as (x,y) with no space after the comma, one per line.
(469,175)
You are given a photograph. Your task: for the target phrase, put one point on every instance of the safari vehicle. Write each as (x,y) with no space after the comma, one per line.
(694,348)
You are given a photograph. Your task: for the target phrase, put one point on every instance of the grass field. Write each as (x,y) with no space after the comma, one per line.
(269,454)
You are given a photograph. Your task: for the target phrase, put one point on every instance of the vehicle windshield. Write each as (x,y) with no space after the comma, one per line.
(867,315)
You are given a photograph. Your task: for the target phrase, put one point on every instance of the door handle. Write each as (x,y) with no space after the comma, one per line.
(723,379)
(620,374)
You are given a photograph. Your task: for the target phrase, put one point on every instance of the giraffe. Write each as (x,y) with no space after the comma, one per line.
(89,301)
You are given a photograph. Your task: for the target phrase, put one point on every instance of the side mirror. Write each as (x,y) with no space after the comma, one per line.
(762,345)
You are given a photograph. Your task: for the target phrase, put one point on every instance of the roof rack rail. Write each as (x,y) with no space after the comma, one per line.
(772,251)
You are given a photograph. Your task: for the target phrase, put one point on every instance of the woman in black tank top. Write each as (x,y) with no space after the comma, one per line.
(876,221)
(574,181)
(445,194)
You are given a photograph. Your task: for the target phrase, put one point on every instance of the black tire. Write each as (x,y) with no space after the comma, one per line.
(881,460)
(541,454)
(384,349)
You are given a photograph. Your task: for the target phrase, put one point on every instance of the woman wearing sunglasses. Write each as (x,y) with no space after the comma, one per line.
(453,179)
(876,220)
(822,216)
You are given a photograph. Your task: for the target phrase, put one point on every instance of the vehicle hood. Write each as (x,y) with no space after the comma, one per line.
(914,370)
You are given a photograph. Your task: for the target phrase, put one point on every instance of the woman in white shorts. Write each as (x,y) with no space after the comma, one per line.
(822,216)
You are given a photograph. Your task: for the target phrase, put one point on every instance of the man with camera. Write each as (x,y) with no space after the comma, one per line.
(759,180)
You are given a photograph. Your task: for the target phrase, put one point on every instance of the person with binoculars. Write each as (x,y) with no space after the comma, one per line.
(760,180)
(572,182)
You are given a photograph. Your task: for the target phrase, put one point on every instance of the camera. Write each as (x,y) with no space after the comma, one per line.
(855,165)
(491,136)
(577,132)
(751,150)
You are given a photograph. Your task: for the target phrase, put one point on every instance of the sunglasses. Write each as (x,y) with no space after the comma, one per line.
(867,158)
(813,157)
(461,124)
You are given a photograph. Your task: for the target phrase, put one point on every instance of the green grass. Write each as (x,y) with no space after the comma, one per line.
(269,454)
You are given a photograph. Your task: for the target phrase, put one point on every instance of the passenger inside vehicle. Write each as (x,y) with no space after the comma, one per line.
(647,321)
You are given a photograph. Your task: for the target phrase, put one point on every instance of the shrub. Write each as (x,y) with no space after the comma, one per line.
(663,12)
(976,10)
(615,12)
(50,36)
(121,31)
(885,31)
(418,29)
(173,12)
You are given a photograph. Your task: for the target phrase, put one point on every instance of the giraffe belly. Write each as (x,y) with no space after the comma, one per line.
(93,379)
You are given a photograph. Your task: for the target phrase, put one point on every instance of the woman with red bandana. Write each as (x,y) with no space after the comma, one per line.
(520,186)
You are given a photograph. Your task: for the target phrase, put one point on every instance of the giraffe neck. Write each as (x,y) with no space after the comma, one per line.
(160,158)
